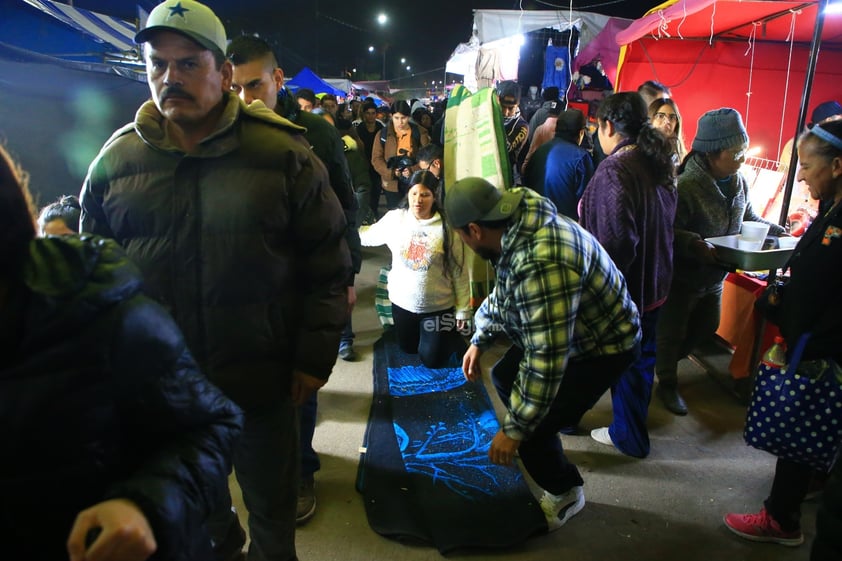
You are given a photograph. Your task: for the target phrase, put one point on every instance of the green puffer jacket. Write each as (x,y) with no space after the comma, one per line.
(242,242)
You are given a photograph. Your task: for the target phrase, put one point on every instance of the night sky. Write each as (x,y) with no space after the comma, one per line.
(332,37)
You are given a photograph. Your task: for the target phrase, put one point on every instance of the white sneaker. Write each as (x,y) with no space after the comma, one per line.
(601,435)
(558,509)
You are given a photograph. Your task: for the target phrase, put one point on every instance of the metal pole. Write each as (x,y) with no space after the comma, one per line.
(815,46)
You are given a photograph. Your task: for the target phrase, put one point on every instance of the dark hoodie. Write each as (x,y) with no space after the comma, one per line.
(328,146)
(100,399)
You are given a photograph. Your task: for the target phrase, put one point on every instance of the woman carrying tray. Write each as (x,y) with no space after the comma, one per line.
(811,302)
(712,201)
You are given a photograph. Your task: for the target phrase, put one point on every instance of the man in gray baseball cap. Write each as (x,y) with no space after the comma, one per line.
(573,327)
(477,200)
(233,222)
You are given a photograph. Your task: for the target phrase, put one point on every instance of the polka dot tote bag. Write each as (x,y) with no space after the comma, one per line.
(796,410)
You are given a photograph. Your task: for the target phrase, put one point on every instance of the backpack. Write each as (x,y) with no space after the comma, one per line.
(416,135)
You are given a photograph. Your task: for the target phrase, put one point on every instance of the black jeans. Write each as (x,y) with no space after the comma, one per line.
(828,543)
(433,336)
(788,490)
(583,384)
(375,191)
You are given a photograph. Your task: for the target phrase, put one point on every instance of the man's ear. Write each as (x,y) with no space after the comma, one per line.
(836,167)
(475,232)
(278,76)
(227,71)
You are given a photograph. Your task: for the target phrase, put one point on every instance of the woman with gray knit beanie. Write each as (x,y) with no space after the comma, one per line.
(712,201)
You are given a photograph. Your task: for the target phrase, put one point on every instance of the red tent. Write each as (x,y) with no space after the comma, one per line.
(735,53)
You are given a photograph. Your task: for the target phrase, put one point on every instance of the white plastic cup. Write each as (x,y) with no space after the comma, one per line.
(787,242)
(749,245)
(754,231)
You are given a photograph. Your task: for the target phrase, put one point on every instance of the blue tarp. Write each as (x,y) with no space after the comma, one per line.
(308,79)
(25,27)
(103,28)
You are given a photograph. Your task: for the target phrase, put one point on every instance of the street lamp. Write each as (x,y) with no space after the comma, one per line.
(383,71)
(383,19)
(371,50)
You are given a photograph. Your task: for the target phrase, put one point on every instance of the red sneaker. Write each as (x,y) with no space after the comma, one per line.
(761,527)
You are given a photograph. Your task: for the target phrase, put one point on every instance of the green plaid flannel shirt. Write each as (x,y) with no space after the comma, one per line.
(559,297)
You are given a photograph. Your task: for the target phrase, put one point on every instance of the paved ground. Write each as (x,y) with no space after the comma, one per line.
(668,506)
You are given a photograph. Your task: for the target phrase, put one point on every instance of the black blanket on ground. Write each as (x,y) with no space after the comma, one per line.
(424,472)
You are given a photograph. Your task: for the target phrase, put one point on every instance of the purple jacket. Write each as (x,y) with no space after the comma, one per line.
(633,219)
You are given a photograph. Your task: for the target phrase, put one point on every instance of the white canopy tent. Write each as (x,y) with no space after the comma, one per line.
(503,30)
(492,25)
(343,84)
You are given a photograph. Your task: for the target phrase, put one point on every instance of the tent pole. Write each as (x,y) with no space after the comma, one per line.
(815,46)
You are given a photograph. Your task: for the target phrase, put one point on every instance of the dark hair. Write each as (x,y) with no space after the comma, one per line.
(343,125)
(355,107)
(66,208)
(331,97)
(427,179)
(306,93)
(569,124)
(509,88)
(823,147)
(368,104)
(430,152)
(17,214)
(246,48)
(219,58)
(678,140)
(501,224)
(651,89)
(401,107)
(346,127)
(627,112)
(550,93)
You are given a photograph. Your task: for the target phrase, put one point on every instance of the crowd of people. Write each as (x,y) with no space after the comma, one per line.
(218,304)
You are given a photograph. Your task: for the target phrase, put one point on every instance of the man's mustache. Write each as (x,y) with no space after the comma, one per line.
(176,92)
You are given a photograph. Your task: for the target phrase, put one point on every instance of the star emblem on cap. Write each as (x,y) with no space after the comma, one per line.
(177,10)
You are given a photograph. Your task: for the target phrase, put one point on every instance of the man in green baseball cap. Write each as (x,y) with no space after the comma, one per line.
(232,219)
(189,85)
(189,18)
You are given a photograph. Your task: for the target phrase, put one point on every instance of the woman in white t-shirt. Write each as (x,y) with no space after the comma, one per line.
(428,283)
